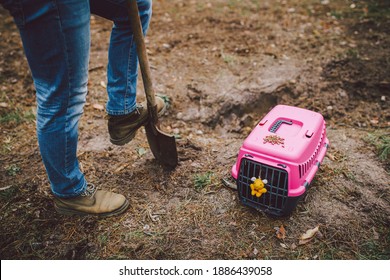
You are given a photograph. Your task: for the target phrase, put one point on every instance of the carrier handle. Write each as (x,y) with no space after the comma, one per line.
(278,123)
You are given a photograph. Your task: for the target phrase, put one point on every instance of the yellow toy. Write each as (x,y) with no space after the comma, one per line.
(258,186)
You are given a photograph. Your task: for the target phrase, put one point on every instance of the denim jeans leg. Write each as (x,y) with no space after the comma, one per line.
(56,40)
(122,70)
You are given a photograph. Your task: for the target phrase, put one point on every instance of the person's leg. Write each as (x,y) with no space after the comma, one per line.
(56,40)
(125,116)
(55,36)
(122,56)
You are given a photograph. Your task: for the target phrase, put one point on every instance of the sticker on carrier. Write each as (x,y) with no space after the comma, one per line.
(279,159)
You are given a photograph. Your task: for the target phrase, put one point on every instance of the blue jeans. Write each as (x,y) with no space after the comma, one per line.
(56,41)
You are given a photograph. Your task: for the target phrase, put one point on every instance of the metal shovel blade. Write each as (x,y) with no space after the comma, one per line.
(163,145)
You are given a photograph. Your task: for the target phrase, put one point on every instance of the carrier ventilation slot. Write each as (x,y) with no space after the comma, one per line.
(303,168)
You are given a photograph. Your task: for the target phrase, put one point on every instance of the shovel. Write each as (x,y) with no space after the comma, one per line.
(163,145)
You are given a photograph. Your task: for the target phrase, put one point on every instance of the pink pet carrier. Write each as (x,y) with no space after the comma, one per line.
(278,160)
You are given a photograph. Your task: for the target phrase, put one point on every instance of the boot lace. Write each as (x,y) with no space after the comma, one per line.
(90,190)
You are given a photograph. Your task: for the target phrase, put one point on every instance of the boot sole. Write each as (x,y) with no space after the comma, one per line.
(72,212)
(129,137)
(123,141)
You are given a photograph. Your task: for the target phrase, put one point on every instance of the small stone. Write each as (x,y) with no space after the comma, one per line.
(195,165)
(342,93)
(179,116)
(146,227)
(176,131)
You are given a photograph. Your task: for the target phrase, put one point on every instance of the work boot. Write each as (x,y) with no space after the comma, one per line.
(92,202)
(123,128)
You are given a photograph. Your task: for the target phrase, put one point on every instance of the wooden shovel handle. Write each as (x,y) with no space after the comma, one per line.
(138,36)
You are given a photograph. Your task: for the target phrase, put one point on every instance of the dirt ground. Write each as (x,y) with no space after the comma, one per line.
(223,64)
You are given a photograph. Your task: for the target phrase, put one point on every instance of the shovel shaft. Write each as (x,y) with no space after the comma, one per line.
(138,36)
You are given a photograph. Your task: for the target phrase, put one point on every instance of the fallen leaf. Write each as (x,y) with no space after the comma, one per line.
(330,156)
(120,168)
(374,121)
(281,232)
(284,245)
(141,151)
(305,241)
(98,107)
(376,235)
(308,235)
(316,33)
(3,105)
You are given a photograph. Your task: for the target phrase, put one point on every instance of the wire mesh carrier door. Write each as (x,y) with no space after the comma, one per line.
(274,200)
